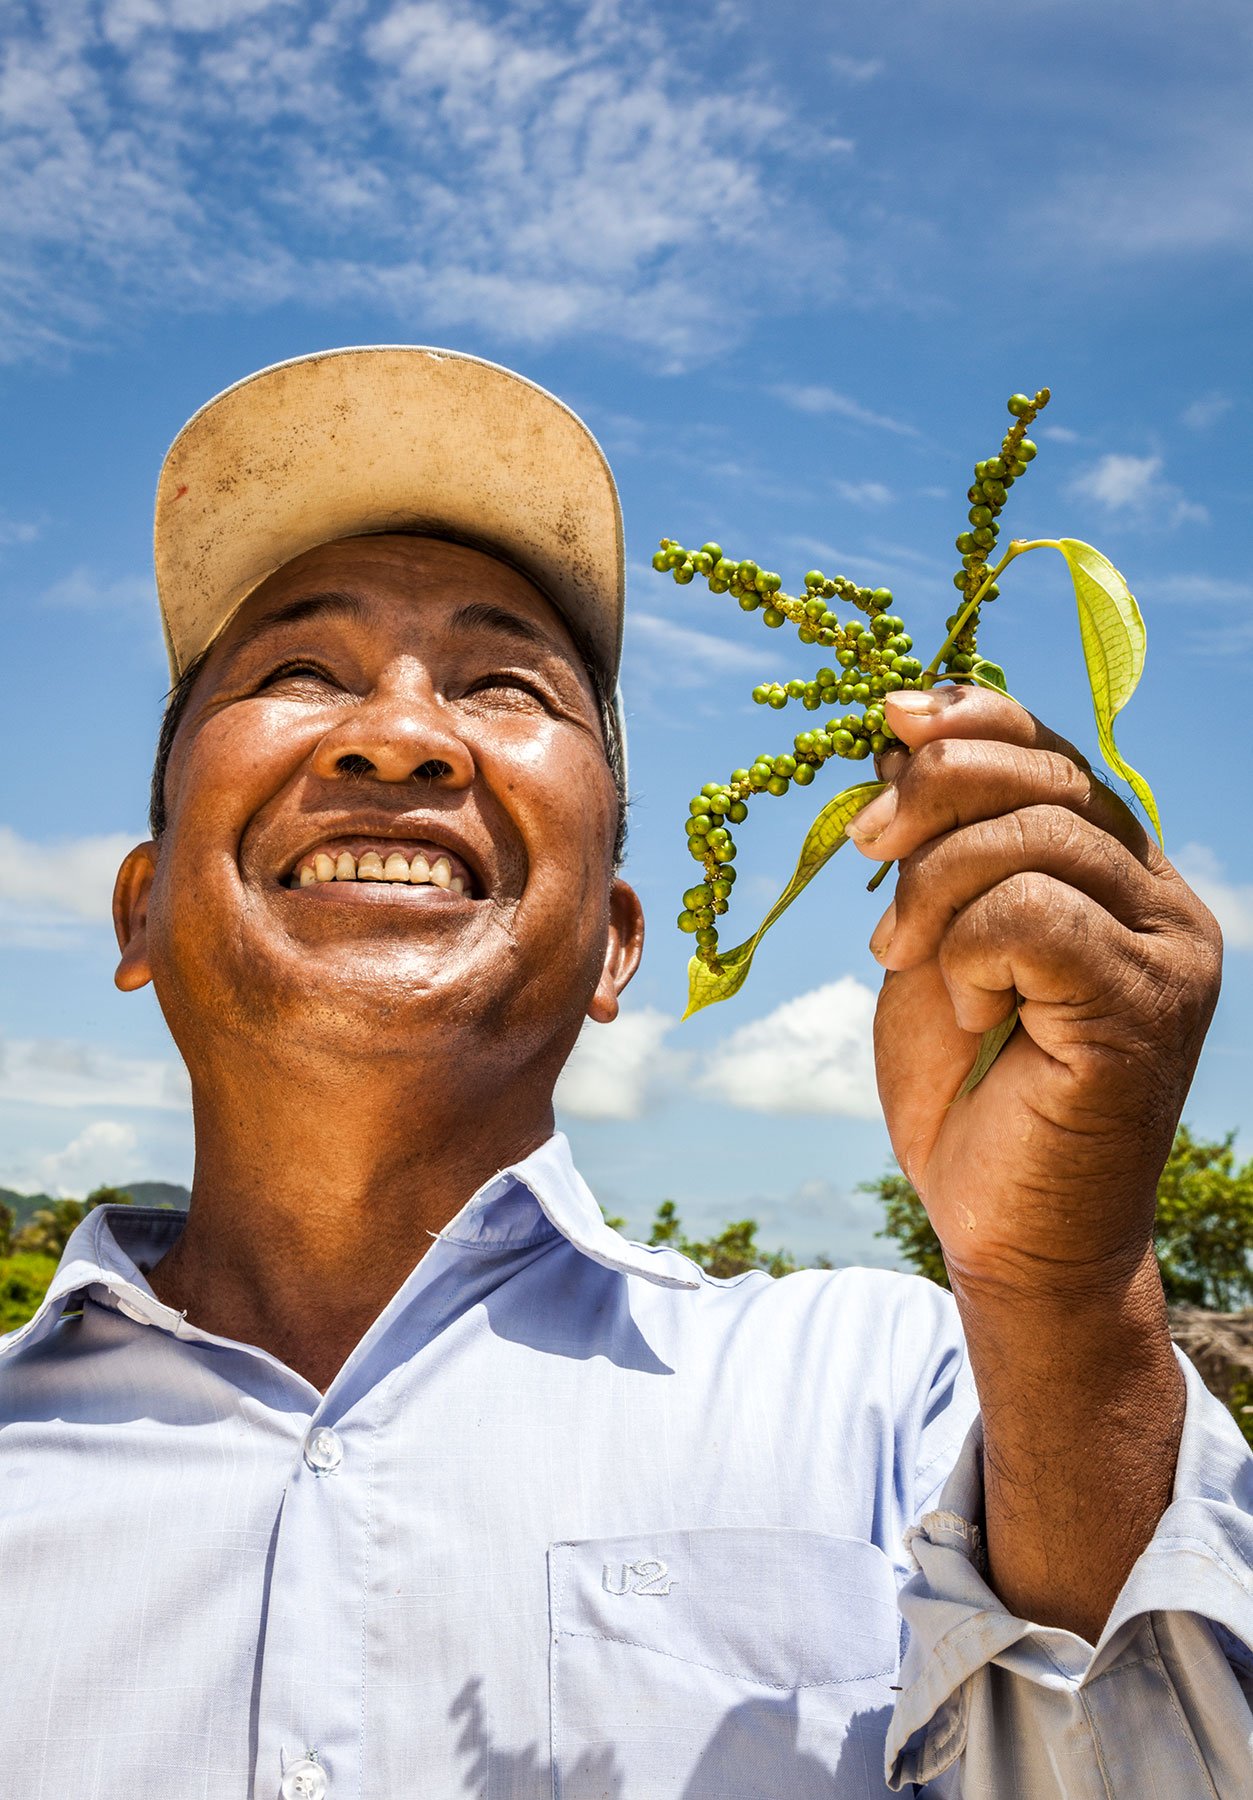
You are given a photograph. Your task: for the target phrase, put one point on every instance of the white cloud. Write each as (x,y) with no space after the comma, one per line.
(1119,481)
(688,657)
(813,1054)
(857,69)
(82,590)
(43,885)
(1187,191)
(519,168)
(1135,485)
(1059,434)
(66,1072)
(616,1070)
(17,531)
(815,398)
(103,1152)
(1206,411)
(864,493)
(1230,902)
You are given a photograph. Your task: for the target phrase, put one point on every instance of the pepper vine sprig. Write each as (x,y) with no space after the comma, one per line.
(871,657)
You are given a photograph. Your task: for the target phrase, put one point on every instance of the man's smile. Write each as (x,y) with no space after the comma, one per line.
(407,864)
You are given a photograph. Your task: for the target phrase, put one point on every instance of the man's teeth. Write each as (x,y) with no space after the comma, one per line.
(417,871)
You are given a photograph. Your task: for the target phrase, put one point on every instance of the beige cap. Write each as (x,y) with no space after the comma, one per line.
(379,438)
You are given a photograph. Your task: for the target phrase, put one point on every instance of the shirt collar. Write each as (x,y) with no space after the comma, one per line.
(541,1196)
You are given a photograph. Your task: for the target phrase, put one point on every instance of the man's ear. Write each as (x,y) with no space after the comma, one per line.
(130,916)
(622,952)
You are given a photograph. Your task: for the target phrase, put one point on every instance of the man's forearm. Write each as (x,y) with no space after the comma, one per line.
(1082,1403)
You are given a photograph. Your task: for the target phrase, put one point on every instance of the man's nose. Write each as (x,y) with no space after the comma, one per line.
(403,734)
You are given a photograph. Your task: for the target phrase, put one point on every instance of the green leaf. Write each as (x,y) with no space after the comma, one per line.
(822,840)
(990,1046)
(989,674)
(1113,647)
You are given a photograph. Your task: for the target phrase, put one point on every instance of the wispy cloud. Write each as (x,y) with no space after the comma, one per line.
(815,398)
(1231,902)
(49,890)
(869,494)
(66,1072)
(1136,486)
(17,531)
(857,69)
(458,164)
(689,657)
(1206,411)
(83,590)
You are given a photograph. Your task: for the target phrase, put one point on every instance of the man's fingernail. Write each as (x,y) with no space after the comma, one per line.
(881,936)
(873,820)
(924,700)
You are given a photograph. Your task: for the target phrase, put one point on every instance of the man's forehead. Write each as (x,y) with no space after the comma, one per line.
(452,587)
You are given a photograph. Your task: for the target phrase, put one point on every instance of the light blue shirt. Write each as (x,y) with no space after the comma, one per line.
(573,1522)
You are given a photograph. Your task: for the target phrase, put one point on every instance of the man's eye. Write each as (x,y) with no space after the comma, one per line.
(297,671)
(507,684)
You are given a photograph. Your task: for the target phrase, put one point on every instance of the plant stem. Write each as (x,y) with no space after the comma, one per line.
(1017,548)
(933,667)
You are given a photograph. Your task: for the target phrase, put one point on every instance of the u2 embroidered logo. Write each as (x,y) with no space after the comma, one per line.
(644,1579)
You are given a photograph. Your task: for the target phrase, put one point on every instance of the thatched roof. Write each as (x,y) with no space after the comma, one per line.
(1220,1344)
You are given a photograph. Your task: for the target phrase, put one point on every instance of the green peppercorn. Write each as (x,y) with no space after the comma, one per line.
(712,551)
(980,515)
(985,537)
(814,578)
(965,543)
(804,775)
(860,750)
(737,812)
(772,617)
(686,921)
(777,785)
(1019,405)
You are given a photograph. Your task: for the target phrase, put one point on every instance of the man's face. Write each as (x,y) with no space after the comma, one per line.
(391,698)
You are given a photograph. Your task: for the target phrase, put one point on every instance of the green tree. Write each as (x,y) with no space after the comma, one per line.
(732,1252)
(7,1217)
(48,1231)
(1204,1231)
(24,1278)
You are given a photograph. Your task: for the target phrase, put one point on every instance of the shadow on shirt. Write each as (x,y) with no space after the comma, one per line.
(753,1755)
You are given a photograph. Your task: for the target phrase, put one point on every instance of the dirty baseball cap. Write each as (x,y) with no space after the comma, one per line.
(385,438)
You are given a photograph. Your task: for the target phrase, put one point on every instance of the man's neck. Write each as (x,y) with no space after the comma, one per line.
(313,1200)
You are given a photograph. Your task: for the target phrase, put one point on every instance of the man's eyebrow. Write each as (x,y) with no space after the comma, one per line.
(482,615)
(307,606)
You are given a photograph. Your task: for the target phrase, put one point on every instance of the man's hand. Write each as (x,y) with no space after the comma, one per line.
(1024,880)
(1020,872)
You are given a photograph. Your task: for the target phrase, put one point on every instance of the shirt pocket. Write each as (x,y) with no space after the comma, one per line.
(721,1664)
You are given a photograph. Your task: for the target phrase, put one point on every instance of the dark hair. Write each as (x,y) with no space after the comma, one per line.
(179,696)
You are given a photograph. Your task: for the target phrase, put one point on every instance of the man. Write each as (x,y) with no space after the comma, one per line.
(393,1471)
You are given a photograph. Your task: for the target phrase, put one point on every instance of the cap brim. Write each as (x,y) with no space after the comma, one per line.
(389,437)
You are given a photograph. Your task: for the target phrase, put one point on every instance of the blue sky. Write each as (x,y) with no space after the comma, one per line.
(787,261)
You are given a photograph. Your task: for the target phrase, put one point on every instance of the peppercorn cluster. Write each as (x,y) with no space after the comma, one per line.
(987,495)
(872,657)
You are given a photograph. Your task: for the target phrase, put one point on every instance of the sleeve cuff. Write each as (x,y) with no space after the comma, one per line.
(1199,1561)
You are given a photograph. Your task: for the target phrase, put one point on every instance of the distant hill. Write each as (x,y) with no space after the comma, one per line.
(158,1193)
(143,1193)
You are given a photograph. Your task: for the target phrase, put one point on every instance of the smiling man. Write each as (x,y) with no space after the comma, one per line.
(393,1470)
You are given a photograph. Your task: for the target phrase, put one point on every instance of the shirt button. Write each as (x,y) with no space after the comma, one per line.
(323,1453)
(305,1780)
